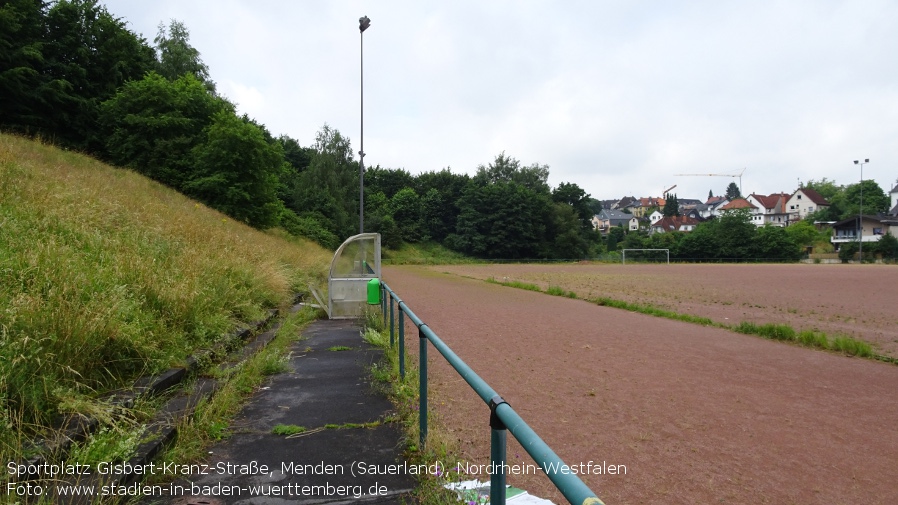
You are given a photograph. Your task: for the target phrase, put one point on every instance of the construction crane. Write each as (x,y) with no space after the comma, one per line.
(666,191)
(739,175)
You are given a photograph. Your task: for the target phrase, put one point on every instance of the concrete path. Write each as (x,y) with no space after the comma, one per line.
(325,385)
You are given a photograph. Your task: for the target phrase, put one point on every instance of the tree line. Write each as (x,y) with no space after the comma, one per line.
(73,74)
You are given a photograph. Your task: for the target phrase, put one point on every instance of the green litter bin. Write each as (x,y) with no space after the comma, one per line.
(374,292)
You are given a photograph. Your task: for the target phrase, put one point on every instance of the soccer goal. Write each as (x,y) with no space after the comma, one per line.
(645,256)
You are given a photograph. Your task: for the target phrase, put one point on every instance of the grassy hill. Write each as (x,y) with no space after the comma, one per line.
(106,275)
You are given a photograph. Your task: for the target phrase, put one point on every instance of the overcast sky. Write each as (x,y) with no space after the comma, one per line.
(617,97)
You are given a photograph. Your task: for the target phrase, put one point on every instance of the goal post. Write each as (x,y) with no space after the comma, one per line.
(649,255)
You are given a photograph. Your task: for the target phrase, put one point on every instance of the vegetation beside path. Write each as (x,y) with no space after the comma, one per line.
(106,276)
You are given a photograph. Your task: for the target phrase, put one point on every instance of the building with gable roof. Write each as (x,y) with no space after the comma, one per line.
(674,223)
(803,202)
(770,209)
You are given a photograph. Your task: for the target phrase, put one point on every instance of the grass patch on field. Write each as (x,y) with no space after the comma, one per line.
(781,332)
(515,284)
(807,338)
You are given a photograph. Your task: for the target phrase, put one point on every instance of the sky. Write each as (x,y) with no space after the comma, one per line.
(616,97)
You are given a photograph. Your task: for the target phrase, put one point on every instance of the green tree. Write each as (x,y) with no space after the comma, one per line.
(671,206)
(388,181)
(825,187)
(88,54)
(803,233)
(774,243)
(328,189)
(154,124)
(433,226)
(502,220)
(236,171)
(730,237)
(22,87)
(616,235)
(847,251)
(888,247)
(568,238)
(875,200)
(177,57)
(441,215)
(507,169)
(406,207)
(732,191)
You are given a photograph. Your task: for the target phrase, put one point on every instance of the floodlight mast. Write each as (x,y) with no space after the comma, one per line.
(860,212)
(364,23)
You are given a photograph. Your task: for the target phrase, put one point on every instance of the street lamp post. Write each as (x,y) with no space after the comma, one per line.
(364,23)
(860,212)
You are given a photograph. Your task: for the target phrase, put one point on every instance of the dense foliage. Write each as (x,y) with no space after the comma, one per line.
(75,75)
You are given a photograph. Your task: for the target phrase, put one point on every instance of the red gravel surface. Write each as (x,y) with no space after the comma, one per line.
(695,414)
(855,300)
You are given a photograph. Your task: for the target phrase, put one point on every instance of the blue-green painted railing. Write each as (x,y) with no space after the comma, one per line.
(502,417)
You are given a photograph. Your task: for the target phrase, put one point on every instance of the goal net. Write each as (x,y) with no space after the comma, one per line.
(645,256)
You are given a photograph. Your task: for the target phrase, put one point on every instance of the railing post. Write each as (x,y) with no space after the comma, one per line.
(383,301)
(392,339)
(401,343)
(498,433)
(422,387)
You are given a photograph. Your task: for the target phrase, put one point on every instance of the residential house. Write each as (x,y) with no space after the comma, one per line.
(623,203)
(711,208)
(738,204)
(694,214)
(803,202)
(687,204)
(871,230)
(604,220)
(656,216)
(769,209)
(641,207)
(635,223)
(674,223)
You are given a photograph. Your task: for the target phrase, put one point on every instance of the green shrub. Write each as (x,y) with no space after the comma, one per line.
(811,338)
(851,346)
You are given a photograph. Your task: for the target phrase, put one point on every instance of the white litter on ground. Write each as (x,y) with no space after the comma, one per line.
(473,492)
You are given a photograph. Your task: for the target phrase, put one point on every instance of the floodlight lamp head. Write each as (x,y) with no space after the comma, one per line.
(364,23)
(855,162)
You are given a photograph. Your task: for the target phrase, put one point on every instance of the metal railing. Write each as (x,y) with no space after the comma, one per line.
(503,417)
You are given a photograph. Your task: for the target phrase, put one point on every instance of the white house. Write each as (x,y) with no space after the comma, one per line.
(803,202)
(769,209)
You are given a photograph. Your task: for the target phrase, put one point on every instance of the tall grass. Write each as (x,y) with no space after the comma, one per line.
(426,253)
(105,275)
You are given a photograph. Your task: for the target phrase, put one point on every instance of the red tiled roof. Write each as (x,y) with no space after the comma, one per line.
(652,202)
(771,201)
(671,223)
(813,196)
(738,203)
